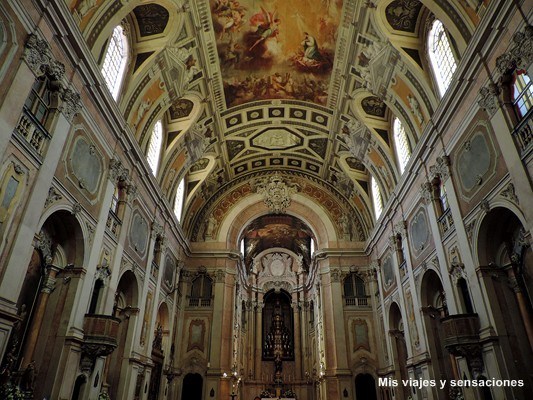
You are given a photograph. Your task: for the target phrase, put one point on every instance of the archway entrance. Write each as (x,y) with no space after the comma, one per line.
(192,387)
(365,387)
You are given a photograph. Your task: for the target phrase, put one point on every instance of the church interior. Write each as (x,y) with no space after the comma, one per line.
(253,199)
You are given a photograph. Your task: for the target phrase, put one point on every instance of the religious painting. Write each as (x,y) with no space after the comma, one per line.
(196,335)
(388,272)
(276,49)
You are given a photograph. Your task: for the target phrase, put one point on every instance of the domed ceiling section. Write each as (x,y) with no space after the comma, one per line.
(276,49)
(277,231)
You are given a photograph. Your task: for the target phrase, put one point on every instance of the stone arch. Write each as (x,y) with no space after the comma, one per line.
(433,309)
(365,387)
(193,385)
(125,308)
(506,263)
(397,326)
(252,206)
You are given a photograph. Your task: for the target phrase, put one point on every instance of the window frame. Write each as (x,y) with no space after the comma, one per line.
(442,79)
(153,151)
(115,78)
(377,197)
(518,94)
(180,198)
(401,144)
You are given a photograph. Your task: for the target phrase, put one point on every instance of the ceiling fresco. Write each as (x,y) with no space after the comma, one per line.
(276,49)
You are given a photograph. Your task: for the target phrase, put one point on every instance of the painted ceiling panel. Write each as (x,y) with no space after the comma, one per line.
(276,49)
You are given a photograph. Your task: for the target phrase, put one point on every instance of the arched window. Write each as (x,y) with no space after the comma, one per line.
(154,147)
(201,289)
(354,286)
(115,60)
(441,56)
(178,203)
(403,152)
(376,197)
(522,94)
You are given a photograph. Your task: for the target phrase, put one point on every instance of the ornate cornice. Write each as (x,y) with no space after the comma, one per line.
(40,60)
(521,54)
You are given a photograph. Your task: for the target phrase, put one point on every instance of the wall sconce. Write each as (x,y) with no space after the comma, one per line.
(345,393)
(212,392)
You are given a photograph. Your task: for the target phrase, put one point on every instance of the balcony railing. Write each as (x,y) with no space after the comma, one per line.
(460,330)
(33,132)
(446,222)
(199,301)
(357,301)
(101,330)
(113,223)
(155,270)
(523,133)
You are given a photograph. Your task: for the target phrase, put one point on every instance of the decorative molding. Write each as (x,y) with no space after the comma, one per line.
(71,104)
(426,192)
(521,54)
(117,172)
(53,196)
(44,244)
(485,205)
(157,230)
(276,193)
(488,98)
(40,60)
(510,194)
(76,208)
(441,168)
(336,275)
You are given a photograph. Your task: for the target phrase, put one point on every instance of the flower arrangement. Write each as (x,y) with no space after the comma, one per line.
(289,393)
(266,394)
(104,396)
(9,391)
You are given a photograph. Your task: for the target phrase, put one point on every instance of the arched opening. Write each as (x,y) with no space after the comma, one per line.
(116,58)
(278,319)
(125,308)
(98,286)
(192,387)
(506,264)
(464,296)
(441,56)
(434,308)
(399,347)
(79,386)
(365,387)
(58,255)
(158,346)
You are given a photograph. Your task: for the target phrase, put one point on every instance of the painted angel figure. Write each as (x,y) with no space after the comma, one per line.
(267,26)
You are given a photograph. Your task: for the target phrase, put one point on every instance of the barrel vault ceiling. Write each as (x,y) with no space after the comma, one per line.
(306,89)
